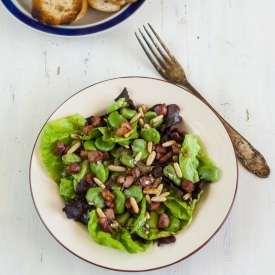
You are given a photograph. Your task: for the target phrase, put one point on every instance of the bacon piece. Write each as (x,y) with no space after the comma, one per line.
(163,221)
(73,168)
(95,156)
(166,157)
(110,213)
(154,206)
(86,129)
(59,148)
(103,223)
(188,186)
(108,195)
(161,149)
(128,181)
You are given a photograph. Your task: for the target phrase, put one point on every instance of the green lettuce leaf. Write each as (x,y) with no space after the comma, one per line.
(131,245)
(118,240)
(181,210)
(187,158)
(101,237)
(66,188)
(60,129)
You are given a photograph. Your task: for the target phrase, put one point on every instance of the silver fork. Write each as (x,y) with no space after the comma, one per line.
(171,70)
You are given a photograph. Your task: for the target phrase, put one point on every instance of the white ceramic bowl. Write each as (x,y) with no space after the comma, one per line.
(211,211)
(94,22)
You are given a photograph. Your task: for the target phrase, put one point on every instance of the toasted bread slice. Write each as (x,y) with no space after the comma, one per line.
(58,12)
(83,10)
(104,5)
(118,2)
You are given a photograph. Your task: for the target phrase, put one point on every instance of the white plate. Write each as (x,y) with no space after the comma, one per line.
(94,22)
(211,211)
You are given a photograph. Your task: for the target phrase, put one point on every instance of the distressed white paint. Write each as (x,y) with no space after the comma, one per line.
(227,49)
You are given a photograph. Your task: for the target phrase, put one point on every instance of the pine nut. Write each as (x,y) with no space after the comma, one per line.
(158,199)
(157,119)
(151,191)
(146,126)
(151,158)
(164,194)
(100,213)
(147,216)
(141,122)
(74,147)
(124,145)
(186,196)
(177,170)
(116,168)
(141,111)
(129,133)
(168,143)
(160,187)
(148,199)
(135,118)
(150,146)
(99,183)
(75,136)
(138,156)
(134,204)
(144,108)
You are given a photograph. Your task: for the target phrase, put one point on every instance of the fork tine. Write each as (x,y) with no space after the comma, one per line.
(164,56)
(157,67)
(162,44)
(152,50)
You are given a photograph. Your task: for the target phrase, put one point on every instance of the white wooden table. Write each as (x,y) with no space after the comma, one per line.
(227,49)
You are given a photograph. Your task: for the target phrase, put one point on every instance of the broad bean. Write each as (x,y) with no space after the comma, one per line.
(89,145)
(170,173)
(128,113)
(133,191)
(140,145)
(127,160)
(103,145)
(71,158)
(94,196)
(115,119)
(209,172)
(156,124)
(119,201)
(149,115)
(99,171)
(150,134)
(123,218)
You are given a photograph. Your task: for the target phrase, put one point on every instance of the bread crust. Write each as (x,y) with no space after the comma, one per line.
(58,12)
(104,5)
(83,10)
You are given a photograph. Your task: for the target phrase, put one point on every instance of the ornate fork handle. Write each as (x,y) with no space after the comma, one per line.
(172,71)
(251,158)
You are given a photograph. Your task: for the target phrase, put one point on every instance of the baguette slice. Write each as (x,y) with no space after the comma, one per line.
(104,5)
(58,12)
(118,2)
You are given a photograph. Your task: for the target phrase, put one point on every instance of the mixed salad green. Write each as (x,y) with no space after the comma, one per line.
(130,175)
